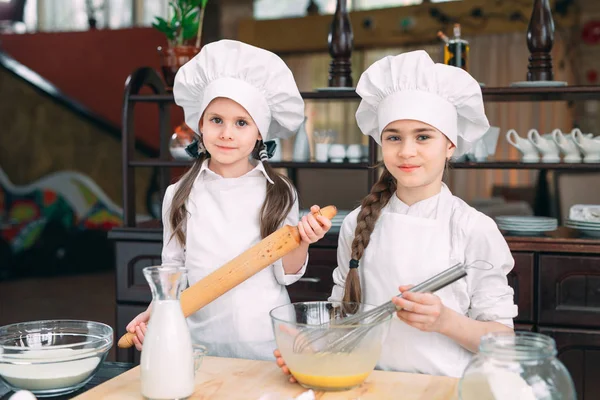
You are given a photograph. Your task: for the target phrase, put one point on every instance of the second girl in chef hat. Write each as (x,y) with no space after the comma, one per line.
(236,97)
(410,227)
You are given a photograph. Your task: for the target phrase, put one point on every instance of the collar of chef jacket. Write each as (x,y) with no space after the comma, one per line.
(207,175)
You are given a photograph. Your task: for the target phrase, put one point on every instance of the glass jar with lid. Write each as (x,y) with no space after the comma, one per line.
(516,366)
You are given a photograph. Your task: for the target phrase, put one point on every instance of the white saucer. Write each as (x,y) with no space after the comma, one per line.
(539,84)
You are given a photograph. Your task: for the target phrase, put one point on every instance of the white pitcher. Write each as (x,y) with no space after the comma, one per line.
(589,146)
(545,145)
(527,149)
(567,146)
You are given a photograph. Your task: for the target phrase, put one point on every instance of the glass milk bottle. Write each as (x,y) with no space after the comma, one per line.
(167,363)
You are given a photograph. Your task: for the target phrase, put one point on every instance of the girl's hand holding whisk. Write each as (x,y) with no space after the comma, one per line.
(313,229)
(424,311)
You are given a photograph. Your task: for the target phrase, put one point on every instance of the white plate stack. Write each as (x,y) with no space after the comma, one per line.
(588,228)
(336,222)
(526,225)
(585,218)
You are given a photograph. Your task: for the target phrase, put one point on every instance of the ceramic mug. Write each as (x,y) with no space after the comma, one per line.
(321,152)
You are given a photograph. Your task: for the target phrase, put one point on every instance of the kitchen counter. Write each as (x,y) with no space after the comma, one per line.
(226,378)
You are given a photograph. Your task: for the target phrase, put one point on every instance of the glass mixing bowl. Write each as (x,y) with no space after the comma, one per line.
(321,354)
(54,357)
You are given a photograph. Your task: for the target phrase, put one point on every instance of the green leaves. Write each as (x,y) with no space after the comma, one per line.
(164,27)
(190,25)
(185,20)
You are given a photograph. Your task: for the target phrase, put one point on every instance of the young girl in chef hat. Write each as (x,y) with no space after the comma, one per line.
(410,227)
(236,97)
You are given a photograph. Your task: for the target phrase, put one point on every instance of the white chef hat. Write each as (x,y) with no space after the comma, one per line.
(255,78)
(412,86)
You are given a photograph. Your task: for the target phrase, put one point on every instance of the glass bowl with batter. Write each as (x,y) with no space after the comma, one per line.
(322,354)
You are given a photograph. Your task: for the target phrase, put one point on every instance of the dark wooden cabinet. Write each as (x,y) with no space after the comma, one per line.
(579,350)
(524,327)
(569,290)
(135,249)
(521,280)
(317,282)
(133,257)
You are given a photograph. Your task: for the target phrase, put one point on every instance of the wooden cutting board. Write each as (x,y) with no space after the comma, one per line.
(228,378)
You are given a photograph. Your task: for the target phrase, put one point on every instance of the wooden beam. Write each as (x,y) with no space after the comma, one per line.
(392,27)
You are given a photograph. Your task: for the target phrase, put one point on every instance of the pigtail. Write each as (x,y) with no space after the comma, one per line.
(370,210)
(280,196)
(179,212)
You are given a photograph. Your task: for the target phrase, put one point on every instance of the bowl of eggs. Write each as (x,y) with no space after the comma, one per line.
(53,357)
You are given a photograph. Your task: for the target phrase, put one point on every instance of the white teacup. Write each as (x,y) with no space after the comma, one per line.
(527,149)
(337,152)
(322,152)
(589,146)
(567,146)
(545,145)
(354,153)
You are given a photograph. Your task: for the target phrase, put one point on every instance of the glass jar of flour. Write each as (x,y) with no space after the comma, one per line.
(516,366)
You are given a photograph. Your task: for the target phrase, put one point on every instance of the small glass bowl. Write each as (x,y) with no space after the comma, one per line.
(54,357)
(199,352)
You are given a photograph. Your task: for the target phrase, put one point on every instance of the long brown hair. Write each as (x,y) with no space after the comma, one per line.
(278,202)
(371,207)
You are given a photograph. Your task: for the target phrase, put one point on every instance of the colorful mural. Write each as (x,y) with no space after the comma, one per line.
(41,219)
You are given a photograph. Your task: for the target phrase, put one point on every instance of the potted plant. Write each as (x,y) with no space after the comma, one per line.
(184,35)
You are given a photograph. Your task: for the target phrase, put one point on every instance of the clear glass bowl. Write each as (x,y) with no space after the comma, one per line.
(54,357)
(313,325)
(520,366)
(200,351)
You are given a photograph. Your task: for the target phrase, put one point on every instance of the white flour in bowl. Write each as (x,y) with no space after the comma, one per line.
(55,375)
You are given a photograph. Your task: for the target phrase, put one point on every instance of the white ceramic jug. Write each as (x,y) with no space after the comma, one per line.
(526,148)
(545,145)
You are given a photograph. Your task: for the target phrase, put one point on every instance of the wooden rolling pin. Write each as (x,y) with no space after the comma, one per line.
(236,271)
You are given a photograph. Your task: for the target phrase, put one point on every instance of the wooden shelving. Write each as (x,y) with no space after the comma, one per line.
(492,94)
(363,165)
(278,164)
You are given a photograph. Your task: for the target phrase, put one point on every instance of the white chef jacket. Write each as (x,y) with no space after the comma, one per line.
(223,222)
(413,243)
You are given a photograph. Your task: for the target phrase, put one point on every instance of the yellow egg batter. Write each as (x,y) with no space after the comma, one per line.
(330,382)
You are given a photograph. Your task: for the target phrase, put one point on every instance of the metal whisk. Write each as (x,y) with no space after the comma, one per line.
(344,335)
